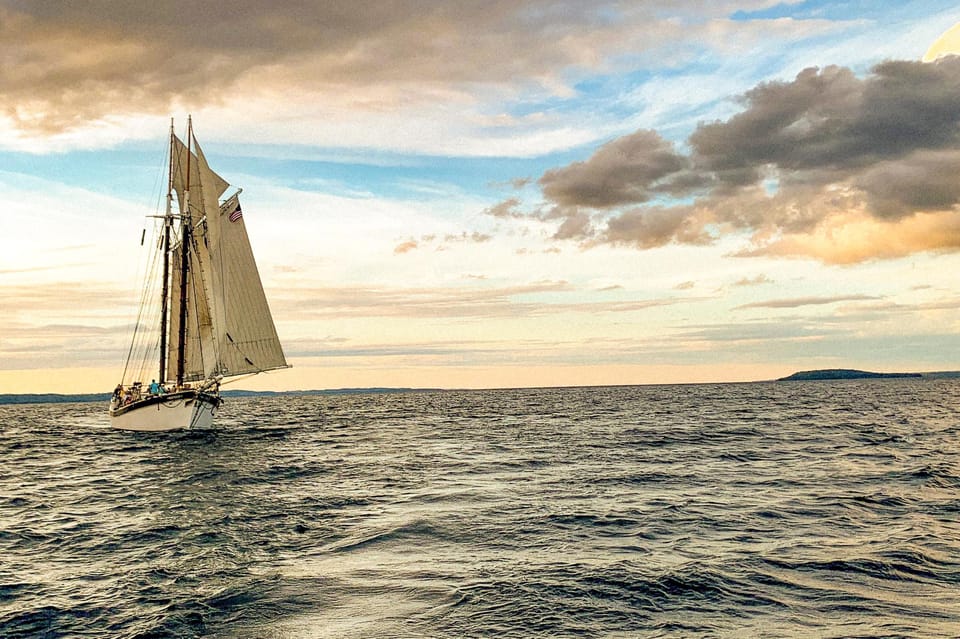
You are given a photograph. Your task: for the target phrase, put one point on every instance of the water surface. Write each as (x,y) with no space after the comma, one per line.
(817,509)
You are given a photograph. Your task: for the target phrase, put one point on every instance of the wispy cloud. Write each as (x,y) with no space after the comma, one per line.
(59,298)
(40,269)
(441,243)
(406,247)
(529,300)
(807,301)
(753,281)
(26,346)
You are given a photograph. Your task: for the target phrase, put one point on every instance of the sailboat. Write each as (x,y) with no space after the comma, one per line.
(210,320)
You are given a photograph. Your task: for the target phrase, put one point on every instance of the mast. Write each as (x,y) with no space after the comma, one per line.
(164,309)
(185,239)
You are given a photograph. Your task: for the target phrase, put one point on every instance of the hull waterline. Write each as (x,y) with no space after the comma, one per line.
(185,410)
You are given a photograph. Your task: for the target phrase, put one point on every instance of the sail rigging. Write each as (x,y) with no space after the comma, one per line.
(212,317)
(202,286)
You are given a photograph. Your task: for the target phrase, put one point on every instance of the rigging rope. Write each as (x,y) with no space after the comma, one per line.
(146,274)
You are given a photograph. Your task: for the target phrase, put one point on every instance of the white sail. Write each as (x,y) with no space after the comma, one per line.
(248,339)
(205,185)
(224,287)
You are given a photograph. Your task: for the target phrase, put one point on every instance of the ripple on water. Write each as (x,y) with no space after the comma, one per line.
(788,510)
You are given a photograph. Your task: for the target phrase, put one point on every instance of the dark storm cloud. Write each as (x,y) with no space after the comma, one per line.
(799,153)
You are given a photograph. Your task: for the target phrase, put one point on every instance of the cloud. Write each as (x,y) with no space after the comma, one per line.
(922,181)
(506,209)
(807,301)
(459,77)
(753,281)
(65,297)
(655,226)
(311,303)
(828,119)
(522,300)
(854,237)
(65,64)
(38,269)
(441,244)
(576,223)
(34,332)
(405,247)
(628,170)
(734,333)
(801,160)
(476,237)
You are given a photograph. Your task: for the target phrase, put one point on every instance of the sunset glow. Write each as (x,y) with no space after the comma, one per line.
(479,195)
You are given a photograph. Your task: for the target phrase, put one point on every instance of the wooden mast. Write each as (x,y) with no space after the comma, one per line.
(165,303)
(185,239)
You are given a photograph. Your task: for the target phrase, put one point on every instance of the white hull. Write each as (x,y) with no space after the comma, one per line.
(185,410)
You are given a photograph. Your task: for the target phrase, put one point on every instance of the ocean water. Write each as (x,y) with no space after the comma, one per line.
(809,509)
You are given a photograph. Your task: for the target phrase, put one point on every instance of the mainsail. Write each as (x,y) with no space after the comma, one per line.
(228,327)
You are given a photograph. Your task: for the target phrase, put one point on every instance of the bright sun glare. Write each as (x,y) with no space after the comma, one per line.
(947,44)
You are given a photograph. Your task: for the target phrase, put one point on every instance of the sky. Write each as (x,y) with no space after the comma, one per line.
(483,194)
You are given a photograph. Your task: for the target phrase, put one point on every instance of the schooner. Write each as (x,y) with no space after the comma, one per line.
(211,321)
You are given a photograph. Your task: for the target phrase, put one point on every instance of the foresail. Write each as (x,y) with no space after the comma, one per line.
(206,187)
(249,339)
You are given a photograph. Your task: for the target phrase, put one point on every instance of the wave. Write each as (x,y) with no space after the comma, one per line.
(701,511)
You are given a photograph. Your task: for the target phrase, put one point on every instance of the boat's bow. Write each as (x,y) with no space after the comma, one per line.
(181,410)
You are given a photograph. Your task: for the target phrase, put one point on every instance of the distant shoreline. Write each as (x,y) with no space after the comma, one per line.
(841,373)
(825,374)
(60,398)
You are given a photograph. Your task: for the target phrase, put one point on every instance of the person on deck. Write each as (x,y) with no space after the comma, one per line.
(154,387)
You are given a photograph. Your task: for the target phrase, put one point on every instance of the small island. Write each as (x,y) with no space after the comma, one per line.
(841,373)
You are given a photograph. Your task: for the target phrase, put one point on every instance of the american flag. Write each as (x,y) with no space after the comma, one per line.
(236,215)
